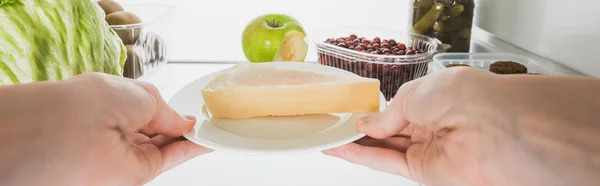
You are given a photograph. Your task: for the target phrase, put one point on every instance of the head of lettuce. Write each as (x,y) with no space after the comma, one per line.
(44,40)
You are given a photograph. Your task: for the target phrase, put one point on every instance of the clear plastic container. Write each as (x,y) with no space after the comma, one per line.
(148,42)
(484,60)
(391,70)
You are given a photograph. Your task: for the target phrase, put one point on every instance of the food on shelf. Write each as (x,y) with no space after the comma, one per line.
(145,48)
(508,67)
(153,48)
(33,50)
(457,65)
(265,35)
(293,48)
(261,89)
(428,20)
(149,50)
(110,6)
(128,35)
(450,21)
(375,46)
(133,67)
(392,62)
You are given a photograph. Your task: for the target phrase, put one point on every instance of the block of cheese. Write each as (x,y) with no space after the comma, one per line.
(260,89)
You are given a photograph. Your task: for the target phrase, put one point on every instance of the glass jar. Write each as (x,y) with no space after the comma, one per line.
(450,21)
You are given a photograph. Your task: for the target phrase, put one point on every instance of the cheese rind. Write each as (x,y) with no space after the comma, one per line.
(226,97)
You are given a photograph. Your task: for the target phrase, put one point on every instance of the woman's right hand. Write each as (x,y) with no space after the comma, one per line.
(465,126)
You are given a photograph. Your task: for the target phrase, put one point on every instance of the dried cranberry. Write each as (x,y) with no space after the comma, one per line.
(348,43)
(393,42)
(374,52)
(362,46)
(376,46)
(385,41)
(369,46)
(402,46)
(342,45)
(359,48)
(356,42)
(351,47)
(386,51)
(377,39)
(385,45)
(366,42)
(401,52)
(353,36)
(410,52)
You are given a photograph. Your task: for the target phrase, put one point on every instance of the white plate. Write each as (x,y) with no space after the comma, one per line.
(268,135)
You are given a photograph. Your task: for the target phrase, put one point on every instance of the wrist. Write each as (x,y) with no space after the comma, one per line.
(555,126)
(28,113)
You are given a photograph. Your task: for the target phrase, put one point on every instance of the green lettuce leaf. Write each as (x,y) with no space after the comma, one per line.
(55,39)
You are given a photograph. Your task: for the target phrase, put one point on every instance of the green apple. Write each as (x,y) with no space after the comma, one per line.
(263,36)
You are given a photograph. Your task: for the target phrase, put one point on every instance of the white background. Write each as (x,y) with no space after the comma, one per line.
(211,31)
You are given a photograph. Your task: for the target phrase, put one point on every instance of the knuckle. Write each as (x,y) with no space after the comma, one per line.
(459,75)
(153,93)
(150,88)
(95,78)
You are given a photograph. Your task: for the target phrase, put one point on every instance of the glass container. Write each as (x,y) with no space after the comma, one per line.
(450,21)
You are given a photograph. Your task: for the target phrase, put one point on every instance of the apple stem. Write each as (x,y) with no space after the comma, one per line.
(274,24)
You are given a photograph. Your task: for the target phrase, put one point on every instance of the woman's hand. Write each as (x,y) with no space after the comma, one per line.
(92,129)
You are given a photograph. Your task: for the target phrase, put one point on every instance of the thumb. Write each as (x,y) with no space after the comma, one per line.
(392,120)
(166,121)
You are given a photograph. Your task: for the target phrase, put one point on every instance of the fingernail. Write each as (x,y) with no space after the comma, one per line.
(189,117)
(365,120)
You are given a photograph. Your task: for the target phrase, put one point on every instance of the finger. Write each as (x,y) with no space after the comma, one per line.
(400,144)
(407,131)
(148,132)
(148,162)
(380,159)
(167,121)
(391,120)
(137,138)
(160,141)
(179,152)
